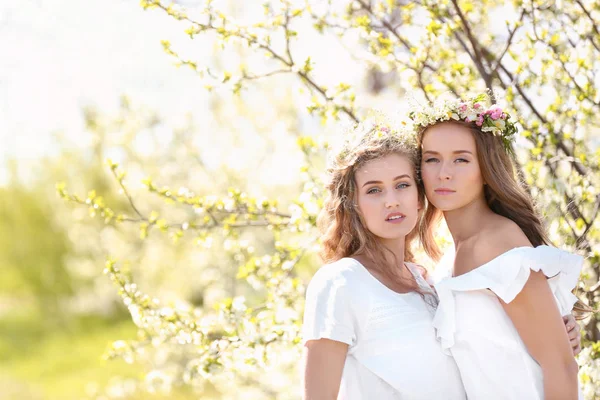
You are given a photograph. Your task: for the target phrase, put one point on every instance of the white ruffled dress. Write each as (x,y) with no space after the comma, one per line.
(393,352)
(473,327)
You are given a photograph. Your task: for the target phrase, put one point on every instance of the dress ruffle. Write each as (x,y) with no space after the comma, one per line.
(506,276)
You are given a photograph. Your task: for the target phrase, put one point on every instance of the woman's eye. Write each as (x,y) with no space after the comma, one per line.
(430,160)
(461,160)
(402,185)
(372,190)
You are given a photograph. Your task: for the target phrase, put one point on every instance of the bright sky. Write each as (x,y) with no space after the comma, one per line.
(60,55)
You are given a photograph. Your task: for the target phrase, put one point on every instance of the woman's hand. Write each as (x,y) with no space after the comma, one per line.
(572,328)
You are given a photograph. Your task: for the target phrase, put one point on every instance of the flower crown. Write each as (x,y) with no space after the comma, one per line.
(375,130)
(491,119)
(377,126)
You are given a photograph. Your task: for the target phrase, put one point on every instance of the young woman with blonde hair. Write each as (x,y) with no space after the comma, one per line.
(368,318)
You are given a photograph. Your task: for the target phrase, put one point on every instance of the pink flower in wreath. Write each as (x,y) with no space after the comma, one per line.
(495,113)
(479,121)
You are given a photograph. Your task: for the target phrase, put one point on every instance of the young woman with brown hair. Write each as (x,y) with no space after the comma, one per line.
(500,311)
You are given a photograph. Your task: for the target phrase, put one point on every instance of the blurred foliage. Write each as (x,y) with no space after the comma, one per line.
(209,219)
(27,230)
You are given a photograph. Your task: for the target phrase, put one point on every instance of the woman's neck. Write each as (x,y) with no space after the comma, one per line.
(393,257)
(396,248)
(465,222)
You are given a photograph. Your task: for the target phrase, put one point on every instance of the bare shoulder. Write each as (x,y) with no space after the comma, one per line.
(506,234)
(498,238)
(495,238)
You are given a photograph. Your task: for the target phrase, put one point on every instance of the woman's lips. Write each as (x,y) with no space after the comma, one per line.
(395,218)
(444,191)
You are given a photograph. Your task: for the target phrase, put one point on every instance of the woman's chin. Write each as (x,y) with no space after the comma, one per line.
(445,205)
(392,236)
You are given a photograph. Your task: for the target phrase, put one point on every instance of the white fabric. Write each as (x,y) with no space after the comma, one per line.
(393,352)
(474,328)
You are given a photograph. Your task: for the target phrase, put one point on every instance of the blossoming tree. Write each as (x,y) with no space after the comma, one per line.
(541,62)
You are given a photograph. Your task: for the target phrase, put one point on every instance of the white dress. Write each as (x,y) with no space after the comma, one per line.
(393,352)
(474,328)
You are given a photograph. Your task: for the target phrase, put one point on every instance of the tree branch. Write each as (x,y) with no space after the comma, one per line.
(392,30)
(580,168)
(477,57)
(287,37)
(276,72)
(511,35)
(126,193)
(592,218)
(594,23)
(289,63)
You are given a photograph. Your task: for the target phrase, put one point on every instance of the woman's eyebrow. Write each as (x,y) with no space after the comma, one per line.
(395,179)
(454,152)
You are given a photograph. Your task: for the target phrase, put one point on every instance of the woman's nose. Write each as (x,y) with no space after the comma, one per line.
(391,200)
(444,172)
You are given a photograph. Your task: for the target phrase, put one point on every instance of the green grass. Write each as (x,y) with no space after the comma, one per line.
(41,362)
(51,363)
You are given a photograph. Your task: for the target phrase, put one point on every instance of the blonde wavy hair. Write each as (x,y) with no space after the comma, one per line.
(344,232)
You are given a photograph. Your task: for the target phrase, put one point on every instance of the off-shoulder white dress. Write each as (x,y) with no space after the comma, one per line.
(473,327)
(393,352)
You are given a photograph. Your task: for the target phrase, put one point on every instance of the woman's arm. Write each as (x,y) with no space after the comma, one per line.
(323,365)
(536,316)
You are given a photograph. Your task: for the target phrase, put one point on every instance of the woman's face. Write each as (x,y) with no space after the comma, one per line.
(450,168)
(387,196)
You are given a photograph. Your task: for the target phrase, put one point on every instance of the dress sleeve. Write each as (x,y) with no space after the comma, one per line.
(562,269)
(506,276)
(329,312)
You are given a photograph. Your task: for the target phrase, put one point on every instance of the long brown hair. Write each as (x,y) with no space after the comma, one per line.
(504,193)
(344,232)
